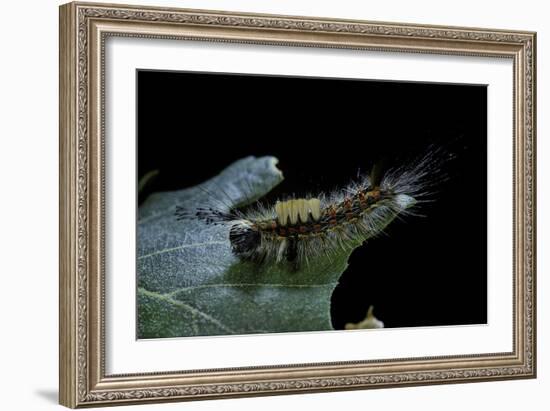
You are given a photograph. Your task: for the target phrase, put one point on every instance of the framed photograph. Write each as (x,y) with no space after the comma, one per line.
(259,204)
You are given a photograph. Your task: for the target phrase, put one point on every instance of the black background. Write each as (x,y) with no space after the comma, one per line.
(428,270)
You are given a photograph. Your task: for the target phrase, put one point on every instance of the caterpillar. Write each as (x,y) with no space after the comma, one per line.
(295,230)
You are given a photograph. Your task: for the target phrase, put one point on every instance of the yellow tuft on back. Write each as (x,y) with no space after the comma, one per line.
(289,212)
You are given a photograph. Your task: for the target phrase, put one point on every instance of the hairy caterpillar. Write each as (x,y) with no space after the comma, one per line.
(296,230)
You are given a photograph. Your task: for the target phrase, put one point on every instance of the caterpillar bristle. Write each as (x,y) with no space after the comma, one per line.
(296,230)
(182,214)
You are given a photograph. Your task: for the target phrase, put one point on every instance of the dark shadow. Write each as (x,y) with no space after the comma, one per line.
(51,395)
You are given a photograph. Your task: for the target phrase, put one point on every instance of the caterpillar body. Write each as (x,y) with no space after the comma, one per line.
(296,230)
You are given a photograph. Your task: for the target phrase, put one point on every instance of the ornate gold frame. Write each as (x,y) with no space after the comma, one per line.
(83,30)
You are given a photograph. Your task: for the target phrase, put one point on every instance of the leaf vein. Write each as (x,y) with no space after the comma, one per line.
(168,250)
(244,285)
(190,308)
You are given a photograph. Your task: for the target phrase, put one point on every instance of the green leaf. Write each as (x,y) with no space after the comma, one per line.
(190,283)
